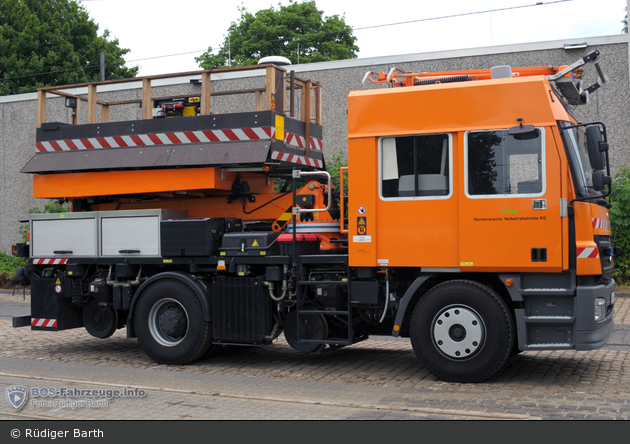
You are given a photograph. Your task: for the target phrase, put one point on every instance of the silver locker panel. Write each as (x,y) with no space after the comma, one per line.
(130,236)
(74,235)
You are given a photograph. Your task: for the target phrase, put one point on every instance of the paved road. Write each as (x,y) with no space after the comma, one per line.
(377,379)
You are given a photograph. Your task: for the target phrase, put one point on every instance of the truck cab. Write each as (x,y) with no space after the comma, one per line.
(471,178)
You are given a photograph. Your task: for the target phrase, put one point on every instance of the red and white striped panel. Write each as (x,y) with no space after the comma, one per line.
(49,261)
(180,137)
(300,141)
(136,140)
(41,322)
(294,158)
(587,253)
(603,224)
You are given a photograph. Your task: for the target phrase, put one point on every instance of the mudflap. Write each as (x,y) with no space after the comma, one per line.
(51,310)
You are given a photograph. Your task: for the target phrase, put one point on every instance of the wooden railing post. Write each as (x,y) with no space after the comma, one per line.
(271,89)
(283,90)
(205,94)
(105,113)
(275,89)
(91,117)
(302,102)
(41,108)
(75,117)
(147,105)
(318,103)
(292,89)
(308,105)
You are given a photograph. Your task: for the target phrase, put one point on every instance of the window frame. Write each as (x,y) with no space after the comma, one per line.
(543,168)
(408,198)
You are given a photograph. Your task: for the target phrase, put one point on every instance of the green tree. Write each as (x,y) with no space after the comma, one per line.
(298,31)
(53,42)
(625,22)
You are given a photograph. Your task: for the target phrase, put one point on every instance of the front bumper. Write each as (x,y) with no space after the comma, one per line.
(589,333)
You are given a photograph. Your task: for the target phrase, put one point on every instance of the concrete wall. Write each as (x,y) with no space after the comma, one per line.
(609,104)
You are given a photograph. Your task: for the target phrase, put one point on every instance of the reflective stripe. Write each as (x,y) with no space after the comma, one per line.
(241,134)
(587,253)
(49,261)
(41,322)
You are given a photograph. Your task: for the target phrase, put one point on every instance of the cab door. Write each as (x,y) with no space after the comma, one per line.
(416,217)
(510,215)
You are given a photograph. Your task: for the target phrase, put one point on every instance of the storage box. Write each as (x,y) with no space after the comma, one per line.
(122,233)
(134,233)
(56,235)
(196,237)
(305,243)
(252,243)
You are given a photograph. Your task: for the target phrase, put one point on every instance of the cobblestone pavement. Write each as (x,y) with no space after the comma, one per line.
(376,379)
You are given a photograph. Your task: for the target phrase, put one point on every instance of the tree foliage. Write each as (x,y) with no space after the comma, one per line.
(53,42)
(625,22)
(620,223)
(298,31)
(53,206)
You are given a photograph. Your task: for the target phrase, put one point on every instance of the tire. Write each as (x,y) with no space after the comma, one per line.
(99,321)
(462,331)
(170,325)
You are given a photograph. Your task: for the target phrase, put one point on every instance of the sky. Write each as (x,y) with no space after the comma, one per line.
(156,30)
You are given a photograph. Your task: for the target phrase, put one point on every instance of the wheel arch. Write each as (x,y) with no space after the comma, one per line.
(422,284)
(408,302)
(200,289)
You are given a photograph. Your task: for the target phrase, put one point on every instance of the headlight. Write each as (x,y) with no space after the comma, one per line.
(600,308)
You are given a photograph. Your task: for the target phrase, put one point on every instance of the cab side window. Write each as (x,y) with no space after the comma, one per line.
(415,166)
(501,164)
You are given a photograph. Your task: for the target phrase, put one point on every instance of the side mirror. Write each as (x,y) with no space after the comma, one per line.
(594,145)
(600,181)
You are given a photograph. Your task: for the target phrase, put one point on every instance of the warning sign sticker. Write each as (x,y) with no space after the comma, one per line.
(361,226)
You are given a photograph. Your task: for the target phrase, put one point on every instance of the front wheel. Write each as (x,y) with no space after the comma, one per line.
(462,331)
(170,325)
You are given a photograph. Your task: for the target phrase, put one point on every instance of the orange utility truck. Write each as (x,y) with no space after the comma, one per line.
(477,223)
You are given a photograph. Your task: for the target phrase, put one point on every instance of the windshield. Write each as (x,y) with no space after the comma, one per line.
(575,142)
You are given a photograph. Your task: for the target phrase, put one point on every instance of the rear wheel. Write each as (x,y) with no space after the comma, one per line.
(462,331)
(170,325)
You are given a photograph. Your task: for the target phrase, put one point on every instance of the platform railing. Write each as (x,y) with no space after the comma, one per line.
(272,97)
